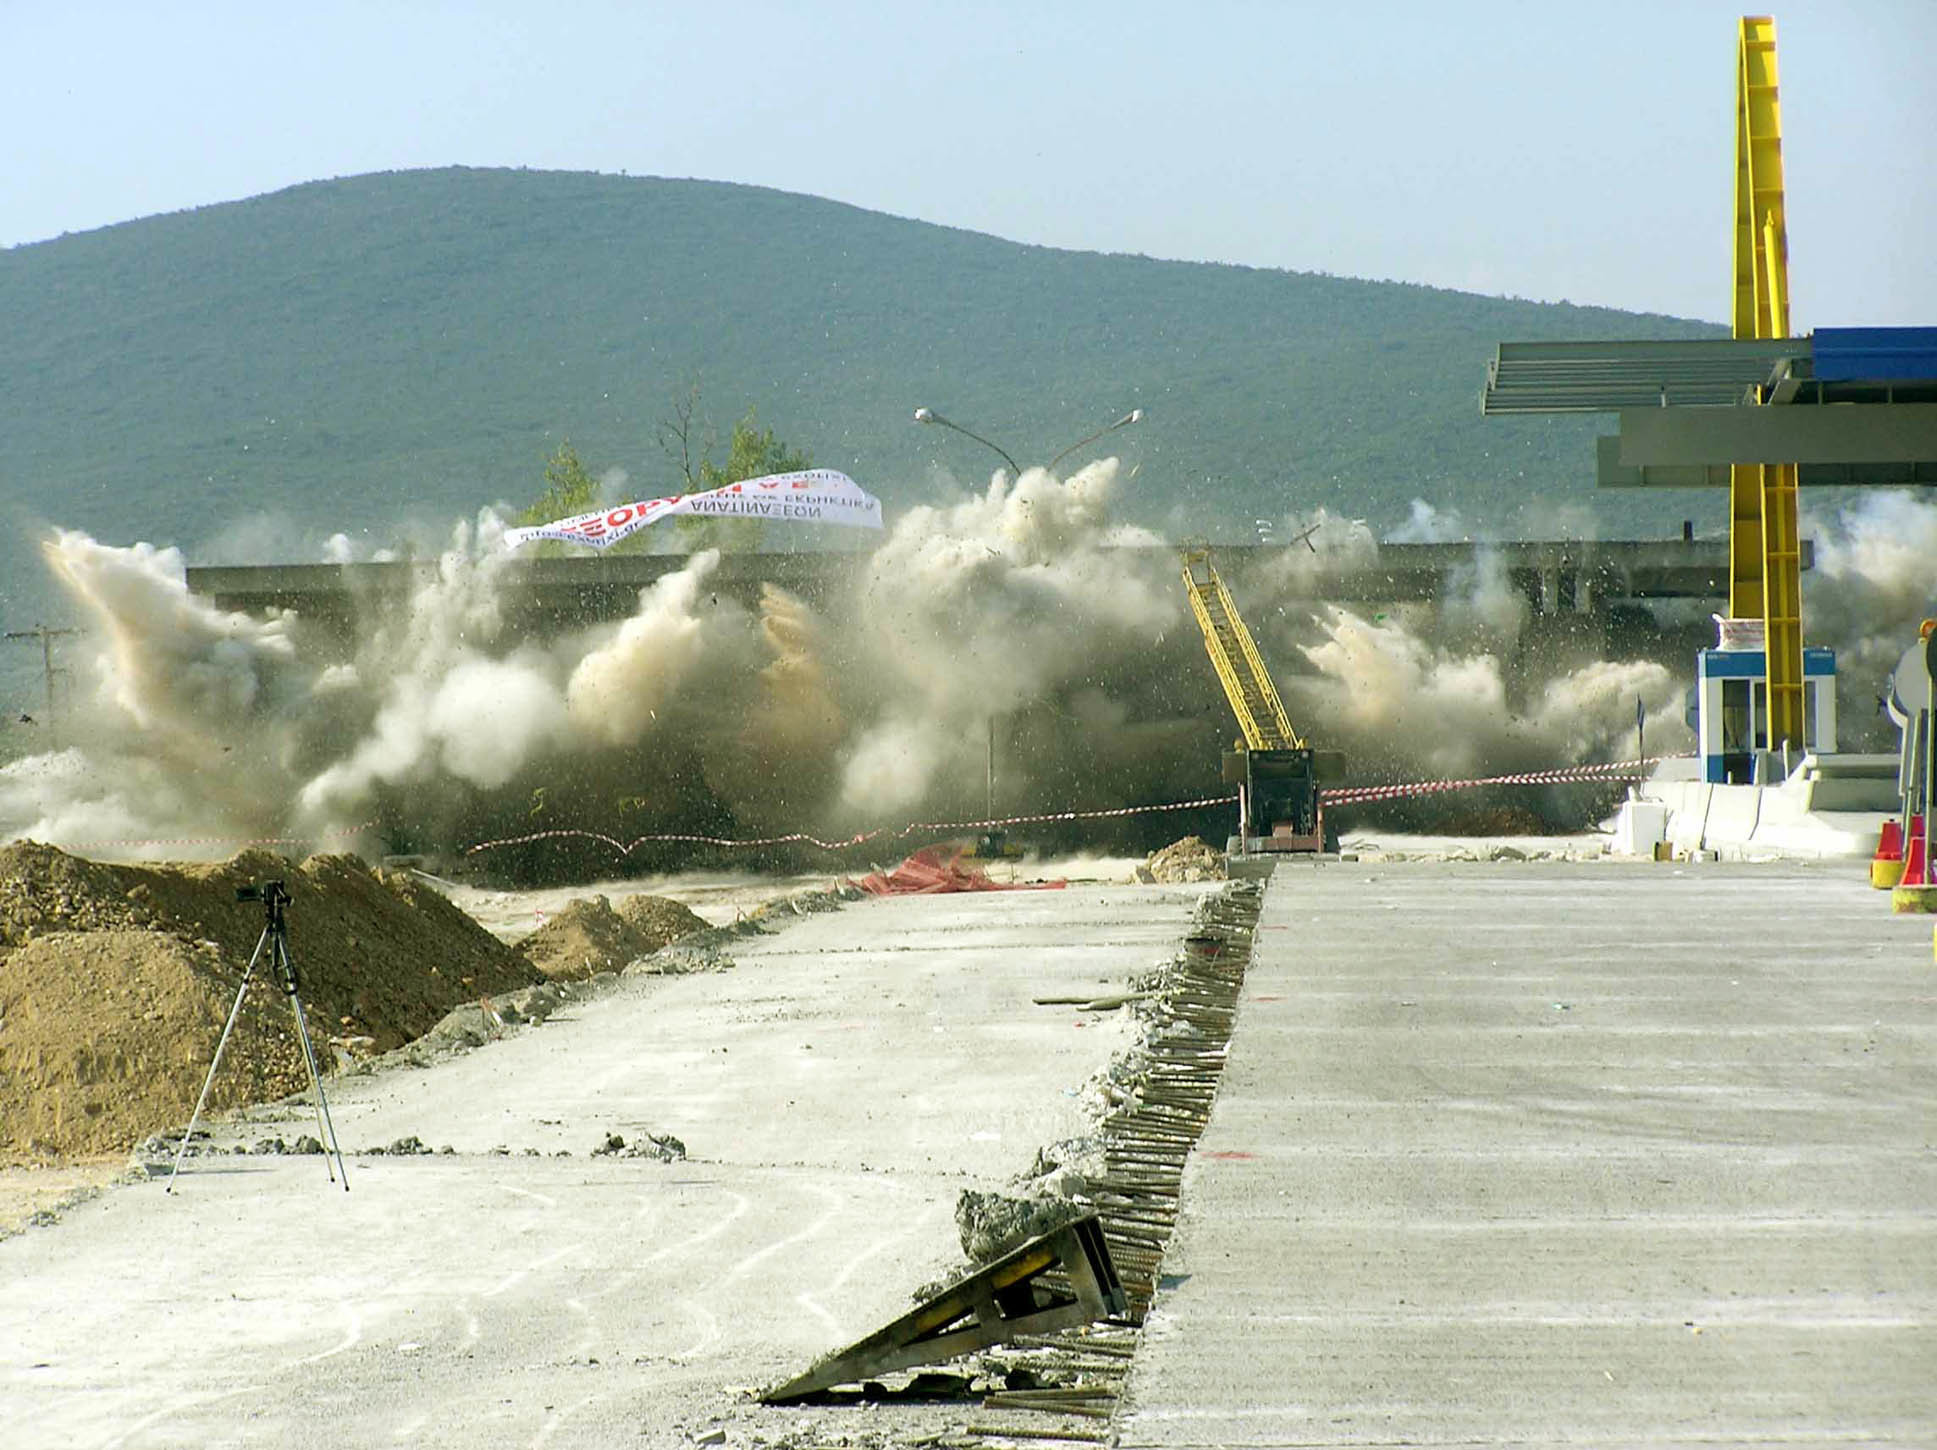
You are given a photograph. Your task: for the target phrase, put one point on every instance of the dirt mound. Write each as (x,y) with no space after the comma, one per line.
(115,980)
(589,937)
(586,938)
(659,919)
(1191,859)
(151,1008)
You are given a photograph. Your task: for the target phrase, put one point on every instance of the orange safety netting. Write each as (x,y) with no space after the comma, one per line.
(929,873)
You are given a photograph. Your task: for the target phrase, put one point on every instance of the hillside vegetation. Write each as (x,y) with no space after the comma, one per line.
(392,351)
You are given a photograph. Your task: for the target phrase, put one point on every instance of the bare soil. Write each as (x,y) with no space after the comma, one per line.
(115,981)
(589,937)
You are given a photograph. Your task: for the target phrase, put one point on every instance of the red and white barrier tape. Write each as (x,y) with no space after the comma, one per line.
(1619,770)
(881,833)
(1351,795)
(1347,796)
(231,841)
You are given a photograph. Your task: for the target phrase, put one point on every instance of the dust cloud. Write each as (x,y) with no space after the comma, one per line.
(1874,581)
(1022,623)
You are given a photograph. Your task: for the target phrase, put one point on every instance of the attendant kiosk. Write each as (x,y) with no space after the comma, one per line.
(1732,711)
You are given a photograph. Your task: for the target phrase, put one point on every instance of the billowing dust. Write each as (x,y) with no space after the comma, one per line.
(1008,615)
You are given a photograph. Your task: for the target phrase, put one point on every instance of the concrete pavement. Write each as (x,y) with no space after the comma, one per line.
(1542,1153)
(835,1090)
(1514,1152)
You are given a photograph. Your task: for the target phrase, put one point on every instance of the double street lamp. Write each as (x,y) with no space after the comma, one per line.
(929,415)
(1135,415)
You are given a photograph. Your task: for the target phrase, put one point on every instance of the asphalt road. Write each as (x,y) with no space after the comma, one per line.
(1562,1153)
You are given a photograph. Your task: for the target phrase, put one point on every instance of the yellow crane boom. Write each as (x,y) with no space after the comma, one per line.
(1247,684)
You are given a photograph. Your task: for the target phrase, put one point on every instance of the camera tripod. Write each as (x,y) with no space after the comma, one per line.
(275,941)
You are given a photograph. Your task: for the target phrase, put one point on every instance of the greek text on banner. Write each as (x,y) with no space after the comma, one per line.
(816,496)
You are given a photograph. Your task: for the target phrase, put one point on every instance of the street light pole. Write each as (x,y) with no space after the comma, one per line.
(929,415)
(1135,415)
(46,637)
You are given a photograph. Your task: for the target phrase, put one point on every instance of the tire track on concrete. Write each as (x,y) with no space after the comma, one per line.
(834,1203)
(876,1246)
(638,1271)
(518,1276)
(175,1407)
(746,1264)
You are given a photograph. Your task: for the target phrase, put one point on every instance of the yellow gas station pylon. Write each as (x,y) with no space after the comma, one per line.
(1765,549)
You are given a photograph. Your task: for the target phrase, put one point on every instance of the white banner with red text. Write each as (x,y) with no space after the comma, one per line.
(816,496)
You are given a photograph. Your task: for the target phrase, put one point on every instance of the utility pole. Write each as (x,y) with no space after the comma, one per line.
(991,815)
(46,637)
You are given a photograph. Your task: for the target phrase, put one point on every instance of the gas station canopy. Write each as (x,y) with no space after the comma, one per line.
(1853,405)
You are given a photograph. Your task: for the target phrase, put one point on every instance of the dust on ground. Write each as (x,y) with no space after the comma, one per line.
(33,1194)
(1398,846)
(115,982)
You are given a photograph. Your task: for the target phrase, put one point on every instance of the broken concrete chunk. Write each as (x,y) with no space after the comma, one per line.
(1191,859)
(663,1146)
(405,1147)
(990,1224)
(680,959)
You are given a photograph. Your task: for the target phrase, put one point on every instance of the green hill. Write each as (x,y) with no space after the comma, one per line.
(371,353)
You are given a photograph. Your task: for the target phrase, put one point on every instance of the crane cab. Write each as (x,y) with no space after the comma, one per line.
(1279,806)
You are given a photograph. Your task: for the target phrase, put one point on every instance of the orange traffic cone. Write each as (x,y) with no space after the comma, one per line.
(1886,867)
(1916,891)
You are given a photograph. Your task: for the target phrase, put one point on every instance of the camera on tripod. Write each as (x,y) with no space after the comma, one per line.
(273,944)
(274,896)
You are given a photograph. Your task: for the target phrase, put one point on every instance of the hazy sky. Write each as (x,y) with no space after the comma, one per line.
(1539,148)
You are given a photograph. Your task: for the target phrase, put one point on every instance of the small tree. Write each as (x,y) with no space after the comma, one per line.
(752,452)
(678,442)
(569,489)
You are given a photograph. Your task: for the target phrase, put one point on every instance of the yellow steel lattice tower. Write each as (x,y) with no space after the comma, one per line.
(1765,552)
(1240,669)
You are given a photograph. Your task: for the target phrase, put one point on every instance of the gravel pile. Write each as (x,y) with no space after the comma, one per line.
(1191,859)
(588,937)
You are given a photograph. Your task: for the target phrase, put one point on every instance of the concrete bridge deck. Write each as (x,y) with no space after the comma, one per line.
(1568,576)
